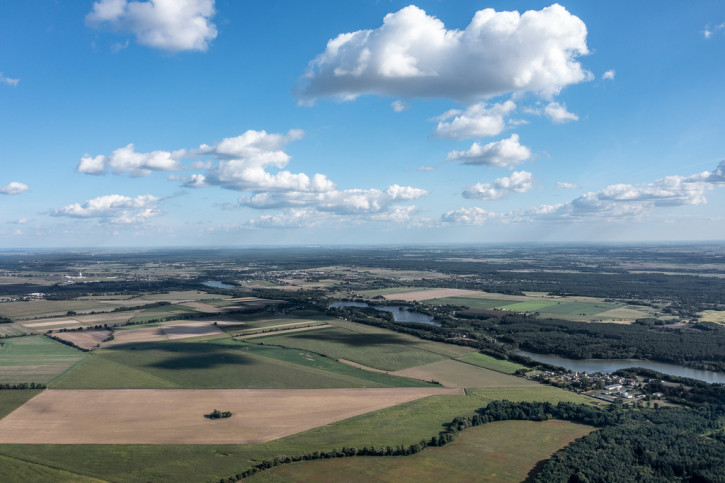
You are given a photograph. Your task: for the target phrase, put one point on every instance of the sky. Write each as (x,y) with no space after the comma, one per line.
(166,123)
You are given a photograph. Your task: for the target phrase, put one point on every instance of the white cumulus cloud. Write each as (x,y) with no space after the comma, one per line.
(171,25)
(117,209)
(518,182)
(476,121)
(413,54)
(609,75)
(14,188)
(504,153)
(469,216)
(561,185)
(127,160)
(558,113)
(399,106)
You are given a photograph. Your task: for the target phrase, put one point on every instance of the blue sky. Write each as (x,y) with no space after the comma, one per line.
(178,123)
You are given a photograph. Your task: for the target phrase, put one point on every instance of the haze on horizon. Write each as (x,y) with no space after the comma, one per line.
(203,123)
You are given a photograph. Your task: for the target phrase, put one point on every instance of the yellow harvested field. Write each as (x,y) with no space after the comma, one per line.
(451,373)
(87,339)
(191,329)
(436,293)
(176,416)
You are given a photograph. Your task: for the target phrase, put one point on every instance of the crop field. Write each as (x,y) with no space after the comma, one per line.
(16,470)
(406,424)
(35,359)
(452,373)
(88,339)
(163,312)
(532,306)
(391,291)
(48,308)
(499,451)
(177,416)
(471,302)
(577,308)
(212,364)
(11,399)
(13,330)
(488,362)
(389,352)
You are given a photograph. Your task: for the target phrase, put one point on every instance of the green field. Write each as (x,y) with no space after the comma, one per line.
(11,399)
(388,352)
(13,330)
(531,306)
(404,424)
(214,364)
(577,308)
(489,362)
(389,291)
(35,359)
(163,312)
(499,451)
(15,470)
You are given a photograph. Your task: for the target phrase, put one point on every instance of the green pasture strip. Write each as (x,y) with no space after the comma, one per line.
(390,291)
(489,362)
(577,308)
(446,350)
(498,452)
(532,306)
(35,359)
(470,302)
(137,326)
(317,361)
(403,424)
(11,399)
(247,325)
(15,470)
(163,312)
(389,352)
(207,363)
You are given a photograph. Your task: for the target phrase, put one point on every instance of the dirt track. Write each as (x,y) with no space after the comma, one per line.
(176,416)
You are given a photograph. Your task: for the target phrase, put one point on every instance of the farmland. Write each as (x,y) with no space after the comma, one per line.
(299,376)
(35,359)
(501,451)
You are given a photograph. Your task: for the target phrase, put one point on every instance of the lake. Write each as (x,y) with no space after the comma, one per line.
(217,284)
(399,313)
(607,366)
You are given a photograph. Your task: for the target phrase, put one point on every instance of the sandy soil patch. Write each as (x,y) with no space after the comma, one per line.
(88,339)
(436,293)
(283,332)
(51,323)
(452,373)
(176,416)
(192,329)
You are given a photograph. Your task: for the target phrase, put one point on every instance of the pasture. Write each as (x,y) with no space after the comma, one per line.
(717,316)
(35,358)
(452,373)
(13,330)
(390,352)
(177,416)
(528,306)
(499,451)
(488,362)
(163,312)
(11,399)
(215,364)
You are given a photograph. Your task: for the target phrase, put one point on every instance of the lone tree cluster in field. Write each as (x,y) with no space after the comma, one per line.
(216,414)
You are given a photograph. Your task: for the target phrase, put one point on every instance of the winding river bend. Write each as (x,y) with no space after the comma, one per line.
(607,366)
(399,313)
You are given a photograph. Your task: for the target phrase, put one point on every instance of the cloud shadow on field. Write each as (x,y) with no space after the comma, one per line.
(354,339)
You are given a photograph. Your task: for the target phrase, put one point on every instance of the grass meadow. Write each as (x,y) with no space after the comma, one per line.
(497,452)
(11,399)
(488,362)
(216,364)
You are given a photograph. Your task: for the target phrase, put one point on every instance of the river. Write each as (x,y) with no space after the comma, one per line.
(607,366)
(399,313)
